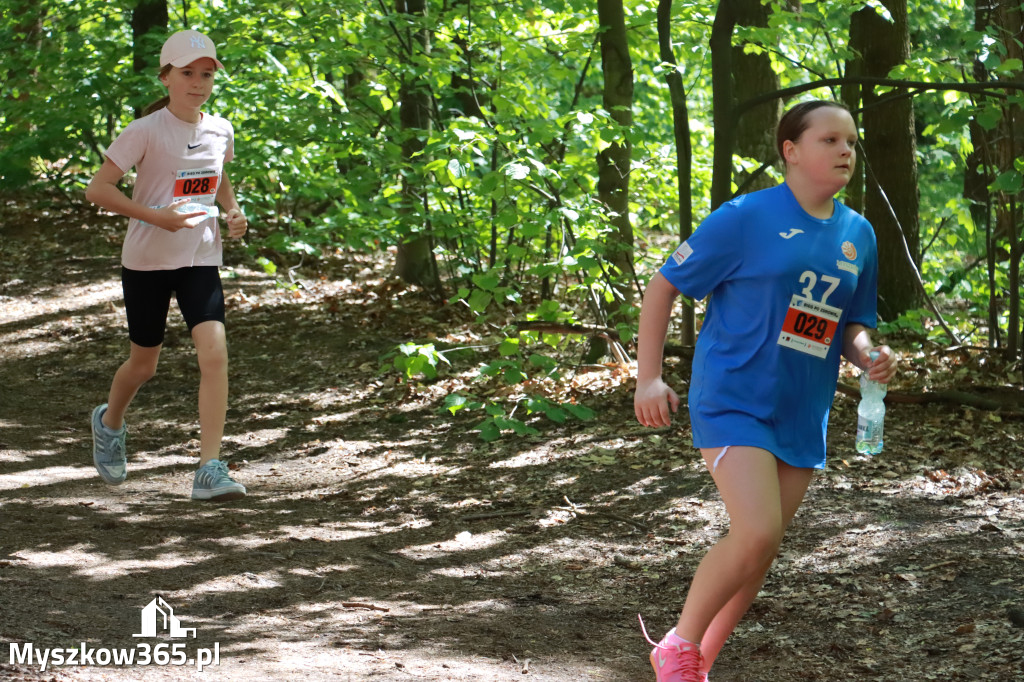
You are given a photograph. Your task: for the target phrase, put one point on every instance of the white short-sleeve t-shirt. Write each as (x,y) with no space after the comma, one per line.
(174,160)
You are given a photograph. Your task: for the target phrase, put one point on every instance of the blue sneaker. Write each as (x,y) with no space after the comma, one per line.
(108,453)
(212,483)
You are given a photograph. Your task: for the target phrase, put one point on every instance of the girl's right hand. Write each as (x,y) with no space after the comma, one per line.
(168,217)
(654,402)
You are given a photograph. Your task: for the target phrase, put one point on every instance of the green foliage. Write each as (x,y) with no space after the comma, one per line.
(413,360)
(500,421)
(519,380)
(504,183)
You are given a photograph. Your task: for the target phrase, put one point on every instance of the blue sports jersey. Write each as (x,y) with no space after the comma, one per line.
(783,286)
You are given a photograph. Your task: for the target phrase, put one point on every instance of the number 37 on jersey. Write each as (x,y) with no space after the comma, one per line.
(810,325)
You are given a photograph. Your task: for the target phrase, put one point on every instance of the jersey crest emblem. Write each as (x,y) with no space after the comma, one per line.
(792,233)
(849,250)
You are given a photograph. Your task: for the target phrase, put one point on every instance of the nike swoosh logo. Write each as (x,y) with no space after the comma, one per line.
(193,146)
(792,233)
(662,661)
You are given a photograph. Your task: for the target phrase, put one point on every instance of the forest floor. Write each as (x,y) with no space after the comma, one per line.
(383,540)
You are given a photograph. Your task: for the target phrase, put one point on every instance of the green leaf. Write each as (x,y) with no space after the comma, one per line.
(988,118)
(1009,67)
(555,413)
(268,266)
(489,431)
(517,171)
(487,281)
(510,346)
(513,375)
(454,402)
(581,412)
(457,173)
(479,300)
(516,425)
(1009,181)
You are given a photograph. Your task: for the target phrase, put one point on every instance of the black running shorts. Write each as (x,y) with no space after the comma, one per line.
(147,298)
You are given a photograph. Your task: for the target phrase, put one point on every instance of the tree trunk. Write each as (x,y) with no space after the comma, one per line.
(414,261)
(753,76)
(1009,19)
(995,154)
(684,154)
(891,197)
(724,105)
(147,15)
(16,169)
(850,95)
(613,162)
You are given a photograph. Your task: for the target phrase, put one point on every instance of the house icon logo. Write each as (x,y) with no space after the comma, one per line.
(158,615)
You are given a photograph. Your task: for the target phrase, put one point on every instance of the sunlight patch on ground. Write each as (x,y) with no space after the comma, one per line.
(250,542)
(61,474)
(339,417)
(262,434)
(464,541)
(562,555)
(241,582)
(100,566)
(82,297)
(32,342)
(484,606)
(529,458)
(337,531)
(20,455)
(44,476)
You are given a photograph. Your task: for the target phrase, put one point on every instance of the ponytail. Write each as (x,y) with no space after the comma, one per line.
(157,105)
(163,101)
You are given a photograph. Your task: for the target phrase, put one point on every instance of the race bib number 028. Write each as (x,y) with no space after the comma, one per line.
(810,326)
(199,187)
(199,184)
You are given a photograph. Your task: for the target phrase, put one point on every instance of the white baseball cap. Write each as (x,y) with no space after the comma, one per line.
(184,47)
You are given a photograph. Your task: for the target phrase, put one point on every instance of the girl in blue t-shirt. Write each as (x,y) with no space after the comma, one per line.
(792,277)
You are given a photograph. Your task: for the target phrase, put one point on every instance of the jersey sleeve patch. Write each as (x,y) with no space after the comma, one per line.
(682,253)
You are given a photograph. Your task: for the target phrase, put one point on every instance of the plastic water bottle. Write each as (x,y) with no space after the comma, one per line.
(870,414)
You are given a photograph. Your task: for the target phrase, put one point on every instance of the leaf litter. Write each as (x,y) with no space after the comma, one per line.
(384,540)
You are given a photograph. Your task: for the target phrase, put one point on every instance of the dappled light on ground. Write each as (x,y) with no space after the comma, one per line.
(383,539)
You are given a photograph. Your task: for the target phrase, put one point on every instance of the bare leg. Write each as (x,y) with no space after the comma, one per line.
(212,352)
(135,371)
(793,484)
(748,480)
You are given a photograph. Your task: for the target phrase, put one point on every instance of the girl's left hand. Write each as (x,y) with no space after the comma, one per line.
(882,369)
(237,223)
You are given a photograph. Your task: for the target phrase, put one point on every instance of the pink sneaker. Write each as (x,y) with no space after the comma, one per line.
(674,662)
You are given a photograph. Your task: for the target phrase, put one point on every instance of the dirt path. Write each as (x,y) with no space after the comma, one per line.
(380,541)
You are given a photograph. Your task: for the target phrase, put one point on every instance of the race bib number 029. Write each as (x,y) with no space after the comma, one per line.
(810,326)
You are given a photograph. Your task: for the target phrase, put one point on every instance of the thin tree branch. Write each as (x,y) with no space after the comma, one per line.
(988,87)
(906,249)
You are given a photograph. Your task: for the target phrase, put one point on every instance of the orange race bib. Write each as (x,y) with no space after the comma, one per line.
(809,327)
(199,184)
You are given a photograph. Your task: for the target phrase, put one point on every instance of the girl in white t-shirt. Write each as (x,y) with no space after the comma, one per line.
(173,245)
